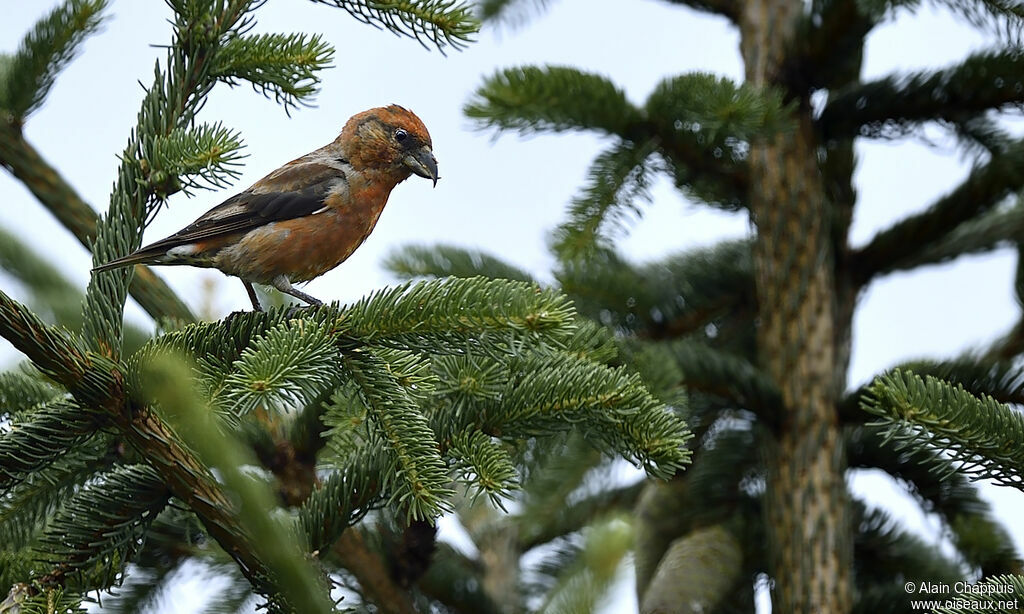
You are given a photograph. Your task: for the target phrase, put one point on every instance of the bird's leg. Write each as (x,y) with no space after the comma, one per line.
(252,296)
(281,283)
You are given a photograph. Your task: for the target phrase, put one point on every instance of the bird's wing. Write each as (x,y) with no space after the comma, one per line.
(254,208)
(272,199)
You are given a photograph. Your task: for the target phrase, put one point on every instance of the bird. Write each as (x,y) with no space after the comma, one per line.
(309,215)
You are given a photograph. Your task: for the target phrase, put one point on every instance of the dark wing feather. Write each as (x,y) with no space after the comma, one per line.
(246,211)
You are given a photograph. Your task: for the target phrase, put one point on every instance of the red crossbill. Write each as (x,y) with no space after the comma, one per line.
(308,216)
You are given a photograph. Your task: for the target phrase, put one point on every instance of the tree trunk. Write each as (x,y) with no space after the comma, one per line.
(805,501)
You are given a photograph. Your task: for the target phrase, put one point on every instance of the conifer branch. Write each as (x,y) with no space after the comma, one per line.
(579,514)
(662,300)
(583,577)
(99,529)
(265,548)
(95,382)
(543,396)
(555,471)
(178,90)
(284,67)
(45,436)
(443,315)
(715,112)
(995,229)
(444,23)
(1011,344)
(832,49)
(509,11)
(728,376)
(705,125)
(49,291)
(656,367)
(1003,17)
(24,507)
(1002,380)
(415,476)
(232,598)
(26,78)
(22,599)
(988,594)
(201,156)
(617,183)
(982,135)
(346,495)
(985,437)
(898,556)
(22,391)
(146,589)
(950,497)
(53,351)
(700,124)
(551,99)
(46,184)
(902,244)
(483,464)
(967,517)
(438,261)
(289,366)
(892,106)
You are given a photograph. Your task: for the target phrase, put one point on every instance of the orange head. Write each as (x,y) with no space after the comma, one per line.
(389,139)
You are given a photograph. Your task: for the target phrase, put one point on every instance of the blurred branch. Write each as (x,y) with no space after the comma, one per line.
(579,515)
(97,383)
(888,107)
(263,543)
(980,539)
(455,580)
(51,292)
(412,261)
(907,243)
(992,230)
(26,164)
(372,573)
(726,8)
(729,376)
(831,52)
(28,75)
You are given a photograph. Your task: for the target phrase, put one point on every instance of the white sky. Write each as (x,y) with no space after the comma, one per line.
(505,195)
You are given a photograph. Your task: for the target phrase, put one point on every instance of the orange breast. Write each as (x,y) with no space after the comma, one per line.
(306,247)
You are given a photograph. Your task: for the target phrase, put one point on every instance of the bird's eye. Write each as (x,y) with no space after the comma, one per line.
(401,135)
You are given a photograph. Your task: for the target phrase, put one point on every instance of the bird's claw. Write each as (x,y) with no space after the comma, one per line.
(295,310)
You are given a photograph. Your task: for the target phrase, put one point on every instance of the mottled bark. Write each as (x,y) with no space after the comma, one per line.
(805,502)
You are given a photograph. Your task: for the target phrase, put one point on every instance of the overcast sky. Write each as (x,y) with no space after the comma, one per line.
(505,195)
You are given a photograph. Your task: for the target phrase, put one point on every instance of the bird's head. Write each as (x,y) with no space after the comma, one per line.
(389,139)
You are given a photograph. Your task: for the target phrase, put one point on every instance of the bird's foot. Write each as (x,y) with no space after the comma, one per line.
(234,314)
(296,310)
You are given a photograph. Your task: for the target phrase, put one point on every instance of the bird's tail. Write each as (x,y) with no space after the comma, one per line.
(139,257)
